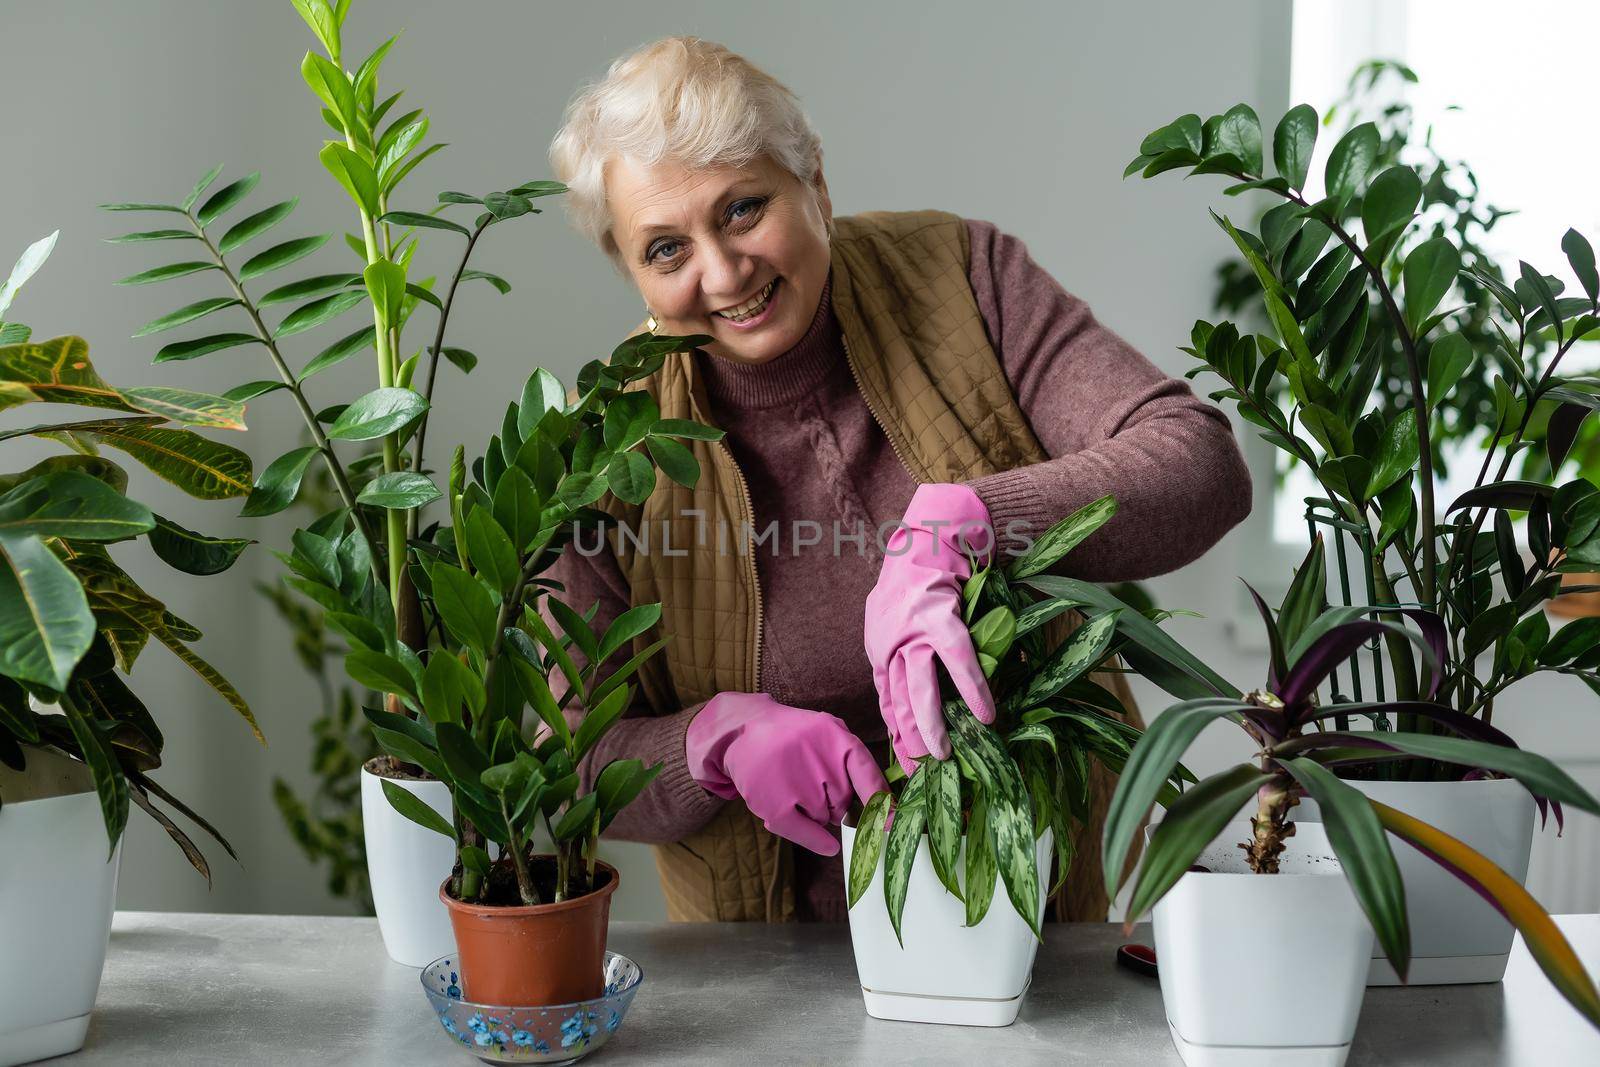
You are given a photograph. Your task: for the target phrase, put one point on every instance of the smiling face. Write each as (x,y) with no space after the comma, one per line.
(738,253)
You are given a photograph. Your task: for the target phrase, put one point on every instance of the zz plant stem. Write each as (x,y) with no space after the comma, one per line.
(341,480)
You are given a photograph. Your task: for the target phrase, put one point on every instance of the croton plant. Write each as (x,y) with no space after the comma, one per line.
(73,622)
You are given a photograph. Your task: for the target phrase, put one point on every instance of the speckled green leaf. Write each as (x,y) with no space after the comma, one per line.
(868,847)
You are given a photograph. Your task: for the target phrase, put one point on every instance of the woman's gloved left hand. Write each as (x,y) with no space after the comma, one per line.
(797,771)
(914,619)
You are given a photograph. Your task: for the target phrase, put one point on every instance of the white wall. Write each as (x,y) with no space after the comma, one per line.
(1023,114)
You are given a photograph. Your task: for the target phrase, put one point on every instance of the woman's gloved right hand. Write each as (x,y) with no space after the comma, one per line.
(796,770)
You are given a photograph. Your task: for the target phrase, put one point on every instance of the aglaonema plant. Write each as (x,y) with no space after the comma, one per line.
(1339,294)
(72,621)
(464,706)
(1299,755)
(1030,770)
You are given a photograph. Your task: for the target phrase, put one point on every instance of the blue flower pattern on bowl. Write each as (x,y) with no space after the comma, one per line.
(559,1033)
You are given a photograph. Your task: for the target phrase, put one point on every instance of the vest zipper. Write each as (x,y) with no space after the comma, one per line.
(895,444)
(750,557)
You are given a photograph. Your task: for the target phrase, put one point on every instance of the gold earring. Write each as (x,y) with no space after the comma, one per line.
(650,323)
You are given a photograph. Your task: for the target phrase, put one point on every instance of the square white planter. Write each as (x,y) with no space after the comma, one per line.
(1263,969)
(57,892)
(407,863)
(947,972)
(1456,937)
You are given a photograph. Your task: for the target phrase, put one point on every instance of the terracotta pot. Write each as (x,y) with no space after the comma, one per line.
(532,955)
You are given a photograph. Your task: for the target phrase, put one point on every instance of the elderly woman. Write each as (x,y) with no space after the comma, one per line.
(911,366)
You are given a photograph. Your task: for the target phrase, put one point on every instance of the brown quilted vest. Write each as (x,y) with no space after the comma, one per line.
(916,343)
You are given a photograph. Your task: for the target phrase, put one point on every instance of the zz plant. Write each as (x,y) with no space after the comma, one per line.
(1341,286)
(72,621)
(1030,771)
(1321,265)
(525,498)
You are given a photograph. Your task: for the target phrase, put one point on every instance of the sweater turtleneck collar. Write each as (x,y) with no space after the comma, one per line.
(785,378)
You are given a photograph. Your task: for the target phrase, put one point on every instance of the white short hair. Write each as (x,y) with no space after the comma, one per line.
(683,99)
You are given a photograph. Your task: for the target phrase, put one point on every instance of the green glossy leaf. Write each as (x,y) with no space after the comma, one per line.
(675,460)
(201,186)
(490,550)
(309,316)
(1538,774)
(227,198)
(185,314)
(354,173)
(1074,658)
(45,624)
(1239,135)
(194,553)
(1351,161)
(626,627)
(380,671)
(248,229)
(1397,454)
(1063,537)
(399,490)
(493,279)
(599,719)
(868,846)
(331,86)
(382,411)
(171,270)
(1010,817)
(449,688)
(386,283)
(152,235)
(417,218)
(203,346)
(340,351)
(1361,844)
(900,850)
(516,508)
(1293,142)
(417,810)
(1448,361)
(465,605)
(1430,270)
(1389,204)
(942,798)
(309,288)
(280,256)
(981,874)
(1151,764)
(279,484)
(1580,255)
(74,505)
(578,820)
(110,784)
(1192,822)
(630,476)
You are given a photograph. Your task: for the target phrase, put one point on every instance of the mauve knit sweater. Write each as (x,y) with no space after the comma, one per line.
(810,450)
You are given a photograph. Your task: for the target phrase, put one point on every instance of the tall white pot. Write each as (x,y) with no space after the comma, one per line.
(1456,937)
(946,971)
(57,892)
(1262,970)
(406,864)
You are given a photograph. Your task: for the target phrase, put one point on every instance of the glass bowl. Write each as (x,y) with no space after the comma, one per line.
(556,1033)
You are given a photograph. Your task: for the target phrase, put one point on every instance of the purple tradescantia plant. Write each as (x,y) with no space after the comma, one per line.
(1296,757)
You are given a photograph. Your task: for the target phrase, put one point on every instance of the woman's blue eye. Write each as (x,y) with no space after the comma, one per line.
(752,203)
(655,249)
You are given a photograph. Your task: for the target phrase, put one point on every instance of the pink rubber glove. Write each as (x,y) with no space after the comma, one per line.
(914,619)
(796,770)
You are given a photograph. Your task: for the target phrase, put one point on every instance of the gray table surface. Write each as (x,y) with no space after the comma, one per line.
(207,989)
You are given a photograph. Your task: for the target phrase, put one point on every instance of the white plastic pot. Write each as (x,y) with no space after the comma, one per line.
(1263,970)
(1456,937)
(57,892)
(946,972)
(406,864)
